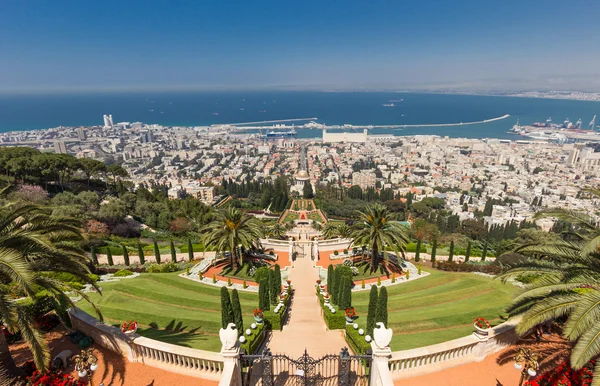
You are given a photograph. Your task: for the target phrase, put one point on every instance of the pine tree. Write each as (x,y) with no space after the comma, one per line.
(382,311)
(418,251)
(451,253)
(372,310)
(190,250)
(226,310)
(173,253)
(109,256)
(156,252)
(468,252)
(94,256)
(433,251)
(484,252)
(125,255)
(236,307)
(263,295)
(141,254)
(329,278)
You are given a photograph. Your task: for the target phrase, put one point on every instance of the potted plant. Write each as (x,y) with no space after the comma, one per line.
(258,315)
(350,314)
(129,327)
(319,281)
(289,282)
(481,326)
(326,298)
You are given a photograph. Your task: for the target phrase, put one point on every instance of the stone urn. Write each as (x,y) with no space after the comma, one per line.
(258,319)
(481,331)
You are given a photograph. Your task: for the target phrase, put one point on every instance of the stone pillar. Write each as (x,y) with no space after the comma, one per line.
(230,351)
(380,371)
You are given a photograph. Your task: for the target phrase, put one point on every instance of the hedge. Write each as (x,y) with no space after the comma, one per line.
(275,321)
(358,343)
(335,321)
(253,341)
(412,247)
(451,266)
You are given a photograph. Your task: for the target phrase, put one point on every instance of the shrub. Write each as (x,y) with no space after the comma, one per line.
(418,251)
(468,252)
(163,268)
(381,313)
(491,269)
(214,279)
(187,271)
(263,295)
(236,308)
(123,273)
(125,255)
(54,377)
(190,250)
(261,274)
(141,254)
(94,257)
(274,287)
(173,253)
(333,321)
(156,252)
(407,274)
(372,310)
(244,285)
(109,257)
(451,253)
(419,268)
(345,251)
(254,340)
(378,281)
(393,277)
(336,253)
(355,341)
(362,284)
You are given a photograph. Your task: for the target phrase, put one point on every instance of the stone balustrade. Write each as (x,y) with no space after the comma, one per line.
(170,357)
(472,348)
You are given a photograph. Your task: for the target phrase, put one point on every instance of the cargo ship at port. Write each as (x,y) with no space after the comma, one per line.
(565,132)
(280,134)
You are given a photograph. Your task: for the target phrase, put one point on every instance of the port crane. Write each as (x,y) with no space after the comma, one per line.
(592,125)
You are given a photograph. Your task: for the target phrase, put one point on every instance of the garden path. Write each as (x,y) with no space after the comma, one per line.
(305,328)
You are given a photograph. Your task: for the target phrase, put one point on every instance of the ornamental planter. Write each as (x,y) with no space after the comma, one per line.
(131,332)
(481,331)
(258,320)
(349,319)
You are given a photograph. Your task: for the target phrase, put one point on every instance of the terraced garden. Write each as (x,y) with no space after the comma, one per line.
(439,307)
(168,308)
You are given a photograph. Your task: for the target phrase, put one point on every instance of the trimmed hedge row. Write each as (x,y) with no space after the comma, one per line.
(275,321)
(358,343)
(335,321)
(452,266)
(253,341)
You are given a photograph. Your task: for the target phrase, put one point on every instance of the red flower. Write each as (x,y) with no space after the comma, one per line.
(258,313)
(481,323)
(350,312)
(132,325)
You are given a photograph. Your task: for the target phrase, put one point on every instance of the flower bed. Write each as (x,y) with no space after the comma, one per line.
(564,375)
(54,379)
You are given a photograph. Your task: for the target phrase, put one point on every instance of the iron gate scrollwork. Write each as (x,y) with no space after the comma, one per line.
(269,369)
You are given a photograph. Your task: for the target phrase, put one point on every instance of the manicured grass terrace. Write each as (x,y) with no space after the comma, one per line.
(168,308)
(439,307)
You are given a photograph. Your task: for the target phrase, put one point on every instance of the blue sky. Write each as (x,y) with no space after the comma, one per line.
(315,44)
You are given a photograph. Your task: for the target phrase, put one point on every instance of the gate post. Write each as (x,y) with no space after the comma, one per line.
(344,368)
(230,351)
(267,367)
(380,371)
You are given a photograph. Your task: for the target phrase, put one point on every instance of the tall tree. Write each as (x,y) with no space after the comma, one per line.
(307,190)
(190,250)
(451,252)
(236,307)
(382,310)
(233,228)
(94,256)
(263,294)
(141,254)
(109,257)
(125,255)
(329,278)
(418,251)
(376,228)
(372,310)
(468,252)
(173,253)
(274,287)
(484,252)
(433,251)
(156,252)
(226,309)
(277,271)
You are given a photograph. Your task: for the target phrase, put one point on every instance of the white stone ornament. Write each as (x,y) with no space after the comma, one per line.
(368,338)
(361,332)
(242,339)
(382,335)
(228,336)
(248,332)
(355,326)
(253,325)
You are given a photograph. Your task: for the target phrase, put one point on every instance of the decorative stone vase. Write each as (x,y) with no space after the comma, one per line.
(481,331)
(258,320)
(349,319)
(131,332)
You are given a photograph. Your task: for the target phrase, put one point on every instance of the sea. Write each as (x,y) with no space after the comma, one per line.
(40,111)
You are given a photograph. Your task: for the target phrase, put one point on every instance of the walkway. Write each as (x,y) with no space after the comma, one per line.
(305,328)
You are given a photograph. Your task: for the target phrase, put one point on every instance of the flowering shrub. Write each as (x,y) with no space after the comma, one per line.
(350,312)
(97,228)
(564,375)
(482,323)
(258,313)
(47,322)
(10,338)
(53,379)
(32,193)
(129,326)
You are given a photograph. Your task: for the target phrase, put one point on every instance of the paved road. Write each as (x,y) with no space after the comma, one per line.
(305,328)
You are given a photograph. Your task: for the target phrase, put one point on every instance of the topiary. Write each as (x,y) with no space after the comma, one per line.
(378,281)
(372,310)
(393,277)
(362,284)
(214,279)
(261,274)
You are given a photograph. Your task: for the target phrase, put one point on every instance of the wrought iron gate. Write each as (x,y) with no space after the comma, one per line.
(269,369)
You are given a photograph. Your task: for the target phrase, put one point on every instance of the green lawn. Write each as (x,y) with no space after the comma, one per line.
(168,308)
(439,307)
(290,217)
(315,217)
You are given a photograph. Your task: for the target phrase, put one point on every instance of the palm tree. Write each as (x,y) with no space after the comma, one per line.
(330,230)
(376,228)
(233,228)
(31,244)
(566,284)
(317,226)
(343,230)
(277,231)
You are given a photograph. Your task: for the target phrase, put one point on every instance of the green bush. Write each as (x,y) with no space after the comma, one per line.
(114,250)
(66,277)
(491,269)
(261,274)
(274,321)
(253,341)
(75,285)
(412,247)
(123,273)
(195,247)
(163,268)
(333,321)
(355,341)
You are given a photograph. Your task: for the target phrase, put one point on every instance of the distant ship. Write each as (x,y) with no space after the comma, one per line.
(262,111)
(215,113)
(281,134)
(388,105)
(241,109)
(396,100)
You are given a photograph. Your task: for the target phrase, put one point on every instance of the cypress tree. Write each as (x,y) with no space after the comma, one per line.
(237,311)
(433,251)
(333,286)
(468,252)
(273,290)
(125,255)
(190,250)
(382,312)
(141,254)
(329,278)
(451,253)
(277,277)
(173,253)
(418,251)
(226,311)
(109,256)
(156,252)
(263,295)
(372,310)
(484,252)
(94,256)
